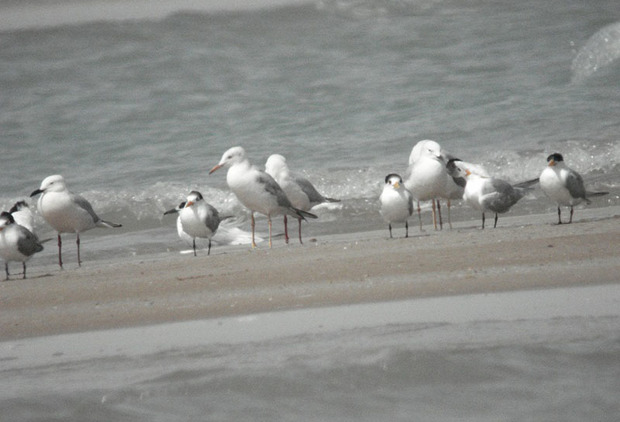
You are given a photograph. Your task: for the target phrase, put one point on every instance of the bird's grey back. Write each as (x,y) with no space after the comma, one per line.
(213,218)
(575,185)
(28,243)
(507,196)
(273,188)
(85,205)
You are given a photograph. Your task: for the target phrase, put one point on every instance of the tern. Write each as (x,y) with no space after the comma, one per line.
(563,185)
(396,202)
(196,218)
(485,193)
(17,243)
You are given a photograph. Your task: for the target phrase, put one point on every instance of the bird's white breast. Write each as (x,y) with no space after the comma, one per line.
(553,184)
(194,223)
(394,205)
(427,179)
(243,181)
(63,214)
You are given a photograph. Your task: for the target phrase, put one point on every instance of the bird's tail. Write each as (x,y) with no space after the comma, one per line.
(526,184)
(331,200)
(103,223)
(593,194)
(303,214)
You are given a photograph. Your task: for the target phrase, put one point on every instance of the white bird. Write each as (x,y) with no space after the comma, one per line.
(196,218)
(299,190)
(17,243)
(255,189)
(184,236)
(227,234)
(66,212)
(396,202)
(426,177)
(486,193)
(23,215)
(455,187)
(563,185)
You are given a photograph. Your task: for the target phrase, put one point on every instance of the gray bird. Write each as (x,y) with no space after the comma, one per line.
(197,218)
(17,243)
(486,193)
(563,185)
(256,190)
(66,211)
(299,190)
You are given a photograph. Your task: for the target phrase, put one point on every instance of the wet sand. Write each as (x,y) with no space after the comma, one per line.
(523,253)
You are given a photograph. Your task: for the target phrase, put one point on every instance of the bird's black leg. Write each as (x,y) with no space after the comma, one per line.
(253,229)
(483,220)
(570,220)
(495,225)
(285,229)
(406,229)
(77,242)
(390,228)
(194,245)
(559,215)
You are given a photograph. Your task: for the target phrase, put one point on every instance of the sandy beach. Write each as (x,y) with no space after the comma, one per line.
(523,253)
(519,322)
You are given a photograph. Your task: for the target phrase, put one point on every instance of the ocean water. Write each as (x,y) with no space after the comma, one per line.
(520,356)
(133,102)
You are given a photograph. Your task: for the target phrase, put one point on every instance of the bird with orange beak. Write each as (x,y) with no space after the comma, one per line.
(563,185)
(486,193)
(396,202)
(197,218)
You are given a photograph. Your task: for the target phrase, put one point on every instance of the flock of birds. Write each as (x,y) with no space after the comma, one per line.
(431,175)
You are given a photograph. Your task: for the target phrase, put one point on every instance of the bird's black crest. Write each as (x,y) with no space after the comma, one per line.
(555,157)
(18,206)
(451,161)
(389,176)
(198,194)
(8,216)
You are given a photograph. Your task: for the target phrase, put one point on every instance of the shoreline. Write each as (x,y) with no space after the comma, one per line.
(356,268)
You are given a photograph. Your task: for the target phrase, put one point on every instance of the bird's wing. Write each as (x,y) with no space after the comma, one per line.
(308,188)
(273,188)
(28,243)
(213,218)
(85,205)
(574,184)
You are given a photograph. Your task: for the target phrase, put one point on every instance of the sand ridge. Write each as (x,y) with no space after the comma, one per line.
(336,270)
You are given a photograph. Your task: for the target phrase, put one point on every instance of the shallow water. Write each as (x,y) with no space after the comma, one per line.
(544,355)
